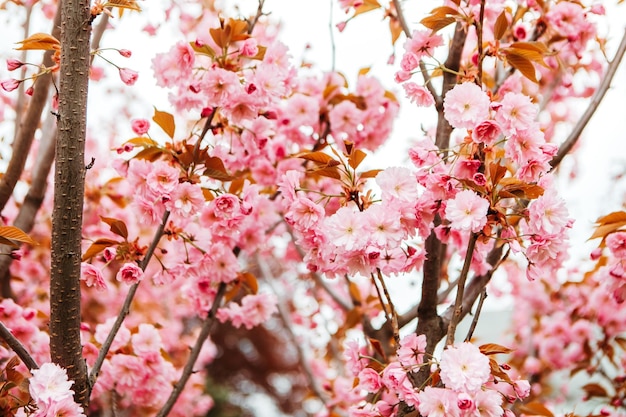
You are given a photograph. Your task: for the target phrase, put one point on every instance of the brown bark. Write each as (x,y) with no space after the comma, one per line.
(69,187)
(28,126)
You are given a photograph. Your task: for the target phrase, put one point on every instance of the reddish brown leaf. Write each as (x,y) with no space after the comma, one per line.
(97,247)
(319,158)
(494,349)
(523,65)
(502,24)
(117,226)
(356,157)
(595,390)
(39,41)
(535,408)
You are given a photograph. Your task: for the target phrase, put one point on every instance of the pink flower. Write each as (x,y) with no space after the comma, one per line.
(464,368)
(423,43)
(398,183)
(522,388)
(438,402)
(345,117)
(516,112)
(50,383)
(187,199)
(370,380)
(486,132)
(412,349)
(129,273)
(147,340)
(65,407)
(418,94)
(92,276)
(466,105)
(488,403)
(10,84)
(249,47)
(140,126)
(616,242)
(128,76)
(467,211)
(13,64)
(344,229)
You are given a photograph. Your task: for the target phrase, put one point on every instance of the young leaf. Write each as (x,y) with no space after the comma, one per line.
(117,226)
(142,141)
(97,247)
(204,49)
(493,349)
(214,168)
(367,6)
(13,233)
(535,408)
(39,41)
(166,121)
(123,4)
(523,65)
(319,158)
(502,23)
(356,157)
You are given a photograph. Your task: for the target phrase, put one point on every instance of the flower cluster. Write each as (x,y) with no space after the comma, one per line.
(51,391)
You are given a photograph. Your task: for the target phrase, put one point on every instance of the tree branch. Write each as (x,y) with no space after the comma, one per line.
(69,192)
(34,198)
(30,122)
(458,303)
(470,333)
(207,326)
(573,137)
(17,347)
(425,75)
(284,317)
(104,350)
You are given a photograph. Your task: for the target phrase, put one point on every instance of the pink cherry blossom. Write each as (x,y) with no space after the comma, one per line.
(398,183)
(516,112)
(464,368)
(129,273)
(92,276)
(616,242)
(140,126)
(438,402)
(423,43)
(13,64)
(467,211)
(50,383)
(418,94)
(412,349)
(466,105)
(128,76)
(10,84)
(486,132)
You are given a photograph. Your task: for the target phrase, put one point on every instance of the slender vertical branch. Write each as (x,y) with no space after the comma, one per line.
(104,350)
(331,32)
(423,70)
(479,34)
(392,309)
(29,123)
(481,300)
(284,318)
(21,97)
(34,198)
(17,347)
(593,105)
(69,191)
(458,303)
(205,331)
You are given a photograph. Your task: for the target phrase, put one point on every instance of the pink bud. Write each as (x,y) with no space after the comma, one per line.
(10,84)
(206,112)
(128,76)
(249,47)
(13,64)
(595,254)
(29,91)
(140,126)
(598,8)
(341,26)
(125,53)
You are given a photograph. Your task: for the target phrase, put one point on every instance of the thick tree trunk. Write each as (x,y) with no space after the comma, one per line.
(69,186)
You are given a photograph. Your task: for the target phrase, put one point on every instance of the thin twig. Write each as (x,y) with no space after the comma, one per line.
(479,33)
(284,317)
(470,333)
(593,105)
(17,347)
(425,75)
(458,303)
(392,309)
(29,123)
(205,331)
(97,34)
(259,12)
(104,350)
